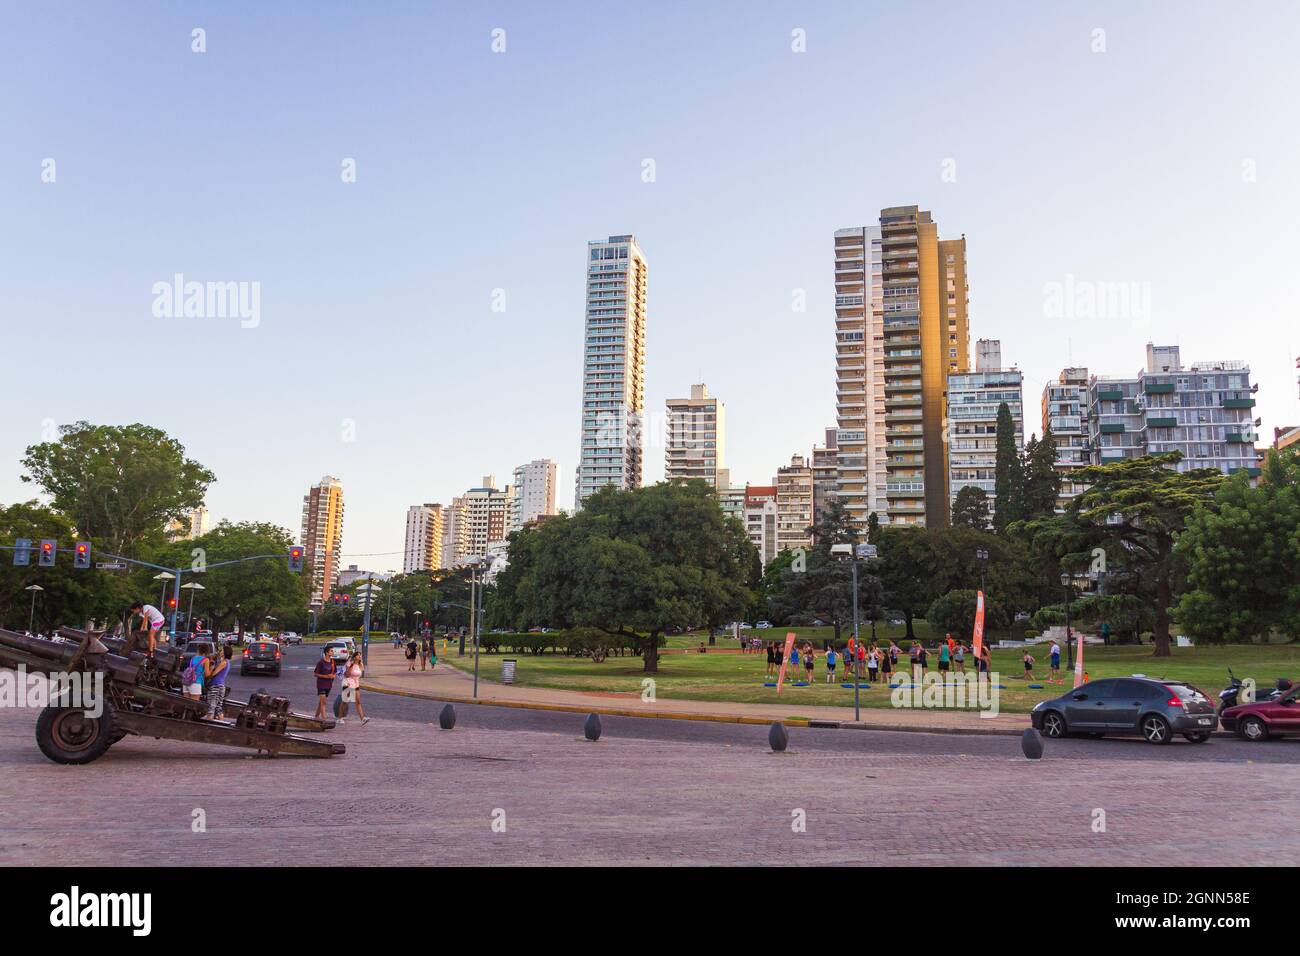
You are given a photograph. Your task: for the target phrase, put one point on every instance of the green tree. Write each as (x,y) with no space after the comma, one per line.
(1008,473)
(71,596)
(1042,480)
(909,571)
(118,484)
(633,564)
(971,508)
(954,613)
(1140,506)
(1243,558)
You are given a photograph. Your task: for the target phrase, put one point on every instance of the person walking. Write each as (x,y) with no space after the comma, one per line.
(1028,661)
(325,671)
(216,671)
(352,673)
(831,659)
(424,653)
(433,654)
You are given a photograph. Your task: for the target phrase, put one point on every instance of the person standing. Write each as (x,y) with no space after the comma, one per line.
(808,662)
(216,671)
(433,654)
(424,653)
(986,662)
(945,657)
(151,622)
(352,674)
(831,658)
(1028,661)
(959,658)
(192,677)
(1055,651)
(886,662)
(325,670)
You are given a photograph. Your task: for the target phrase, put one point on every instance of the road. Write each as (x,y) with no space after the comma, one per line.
(298,683)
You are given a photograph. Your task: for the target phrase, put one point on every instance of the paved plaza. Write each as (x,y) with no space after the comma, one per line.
(408,793)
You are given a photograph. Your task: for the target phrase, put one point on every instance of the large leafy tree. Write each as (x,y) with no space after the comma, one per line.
(1008,472)
(970,508)
(118,484)
(631,563)
(910,570)
(823,588)
(70,597)
(1243,558)
(1139,507)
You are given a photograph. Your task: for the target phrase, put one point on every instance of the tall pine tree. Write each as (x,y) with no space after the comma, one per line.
(1042,480)
(1009,473)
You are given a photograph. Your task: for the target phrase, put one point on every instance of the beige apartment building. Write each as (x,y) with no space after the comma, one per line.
(794,505)
(695,444)
(322,535)
(902,326)
(424,529)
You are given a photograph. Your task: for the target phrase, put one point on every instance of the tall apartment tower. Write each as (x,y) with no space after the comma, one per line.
(760,516)
(1065,412)
(476,520)
(974,399)
(696,440)
(534,492)
(322,535)
(424,528)
(794,504)
(901,329)
(613,377)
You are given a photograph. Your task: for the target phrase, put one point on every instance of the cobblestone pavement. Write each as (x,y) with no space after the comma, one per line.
(408,793)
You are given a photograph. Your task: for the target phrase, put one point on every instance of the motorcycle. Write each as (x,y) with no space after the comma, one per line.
(1232,695)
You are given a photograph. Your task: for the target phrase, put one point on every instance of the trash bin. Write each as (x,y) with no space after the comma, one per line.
(508,670)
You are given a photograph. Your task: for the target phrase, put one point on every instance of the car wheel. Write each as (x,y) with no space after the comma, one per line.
(1054,725)
(1155,729)
(1252,729)
(1199,737)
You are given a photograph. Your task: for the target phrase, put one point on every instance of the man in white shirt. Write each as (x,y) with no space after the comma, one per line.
(151,622)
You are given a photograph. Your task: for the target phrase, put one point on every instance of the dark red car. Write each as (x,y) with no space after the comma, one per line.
(1262,719)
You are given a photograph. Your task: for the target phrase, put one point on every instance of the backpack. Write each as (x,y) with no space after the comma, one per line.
(191,675)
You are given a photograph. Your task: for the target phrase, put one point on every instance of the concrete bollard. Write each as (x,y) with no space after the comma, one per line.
(1032,744)
(591,727)
(447,717)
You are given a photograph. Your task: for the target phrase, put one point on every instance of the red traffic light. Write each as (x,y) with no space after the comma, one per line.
(171,602)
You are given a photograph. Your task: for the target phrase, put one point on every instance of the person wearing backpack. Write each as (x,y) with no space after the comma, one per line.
(192,677)
(411,654)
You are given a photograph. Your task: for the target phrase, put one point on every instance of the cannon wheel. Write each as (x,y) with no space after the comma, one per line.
(67,735)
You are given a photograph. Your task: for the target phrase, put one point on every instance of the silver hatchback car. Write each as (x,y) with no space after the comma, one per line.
(1155,709)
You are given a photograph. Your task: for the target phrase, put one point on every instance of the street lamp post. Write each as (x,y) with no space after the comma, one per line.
(191,587)
(31,615)
(1069,647)
(478,622)
(854,553)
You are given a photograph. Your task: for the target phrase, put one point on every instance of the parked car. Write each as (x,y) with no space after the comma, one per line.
(746,627)
(261,657)
(339,651)
(763,625)
(1261,719)
(1155,709)
(292,637)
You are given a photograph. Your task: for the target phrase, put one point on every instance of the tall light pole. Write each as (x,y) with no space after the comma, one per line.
(478,619)
(853,553)
(191,587)
(1069,648)
(31,615)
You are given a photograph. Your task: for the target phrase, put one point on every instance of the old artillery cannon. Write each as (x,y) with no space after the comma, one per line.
(139,697)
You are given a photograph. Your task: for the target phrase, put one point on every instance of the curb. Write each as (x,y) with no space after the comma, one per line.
(707,718)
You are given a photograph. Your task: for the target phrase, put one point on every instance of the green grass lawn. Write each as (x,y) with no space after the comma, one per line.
(740,677)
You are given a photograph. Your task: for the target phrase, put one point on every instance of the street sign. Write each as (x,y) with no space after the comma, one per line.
(110,565)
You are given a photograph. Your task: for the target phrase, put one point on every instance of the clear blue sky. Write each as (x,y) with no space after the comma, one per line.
(478,171)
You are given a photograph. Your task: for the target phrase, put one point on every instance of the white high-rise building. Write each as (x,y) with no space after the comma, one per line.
(1065,411)
(696,441)
(973,402)
(534,492)
(476,519)
(613,378)
(424,528)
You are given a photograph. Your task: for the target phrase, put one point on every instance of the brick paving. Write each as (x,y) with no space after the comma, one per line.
(408,793)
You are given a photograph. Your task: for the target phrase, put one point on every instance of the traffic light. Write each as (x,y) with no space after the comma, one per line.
(171,603)
(295,559)
(81,555)
(49,547)
(23,551)
(336,599)
(347,599)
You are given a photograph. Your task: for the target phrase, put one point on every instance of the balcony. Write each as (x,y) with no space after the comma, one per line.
(1238,403)
(1157,423)
(1112,428)
(1158,388)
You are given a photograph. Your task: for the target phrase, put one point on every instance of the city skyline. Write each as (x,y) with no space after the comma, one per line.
(1041,178)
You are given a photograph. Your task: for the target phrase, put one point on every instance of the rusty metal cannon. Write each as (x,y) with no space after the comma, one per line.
(139,698)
